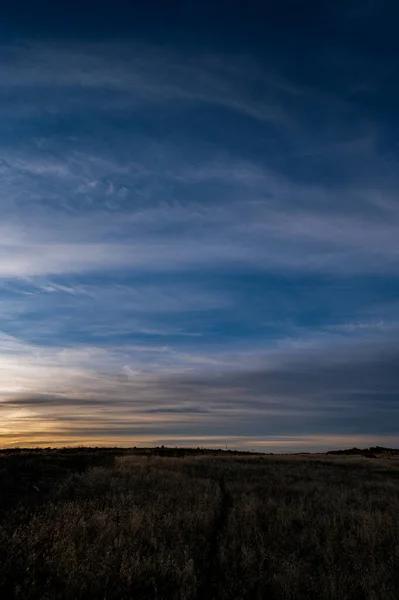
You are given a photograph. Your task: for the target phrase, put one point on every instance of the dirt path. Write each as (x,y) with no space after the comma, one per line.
(211,575)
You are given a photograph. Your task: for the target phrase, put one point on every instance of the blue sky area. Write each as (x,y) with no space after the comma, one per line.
(199,233)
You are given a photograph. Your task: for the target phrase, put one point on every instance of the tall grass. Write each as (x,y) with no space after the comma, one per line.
(196,528)
(302,530)
(132,531)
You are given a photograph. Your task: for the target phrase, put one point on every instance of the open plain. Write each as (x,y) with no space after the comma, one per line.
(169,524)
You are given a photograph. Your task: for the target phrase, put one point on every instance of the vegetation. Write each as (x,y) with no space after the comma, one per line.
(113,524)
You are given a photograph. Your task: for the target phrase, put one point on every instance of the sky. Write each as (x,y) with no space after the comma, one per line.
(199,232)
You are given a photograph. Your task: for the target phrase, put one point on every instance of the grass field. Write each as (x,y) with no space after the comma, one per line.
(111,525)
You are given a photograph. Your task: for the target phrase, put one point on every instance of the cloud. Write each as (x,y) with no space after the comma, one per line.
(279,225)
(137,75)
(131,200)
(366,325)
(348,389)
(164,281)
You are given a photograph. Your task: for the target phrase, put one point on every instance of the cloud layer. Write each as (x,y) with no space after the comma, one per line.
(194,248)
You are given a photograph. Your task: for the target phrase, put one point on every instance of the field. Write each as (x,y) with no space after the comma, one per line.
(116,525)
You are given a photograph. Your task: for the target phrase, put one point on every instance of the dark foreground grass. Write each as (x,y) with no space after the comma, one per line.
(200,527)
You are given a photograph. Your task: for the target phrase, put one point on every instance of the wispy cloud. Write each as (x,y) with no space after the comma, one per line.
(253,217)
(351,390)
(136,75)
(171,283)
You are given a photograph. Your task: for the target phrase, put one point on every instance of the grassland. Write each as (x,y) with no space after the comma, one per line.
(113,525)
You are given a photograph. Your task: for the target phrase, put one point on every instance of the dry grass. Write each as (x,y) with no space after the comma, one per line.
(209,527)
